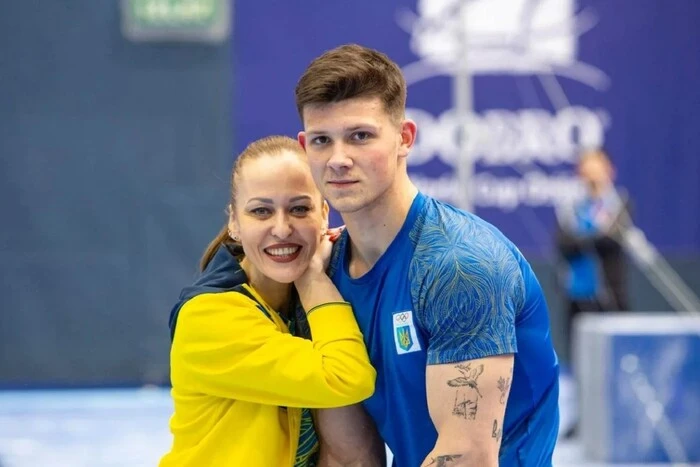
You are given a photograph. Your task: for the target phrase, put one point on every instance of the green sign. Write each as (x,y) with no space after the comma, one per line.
(176,20)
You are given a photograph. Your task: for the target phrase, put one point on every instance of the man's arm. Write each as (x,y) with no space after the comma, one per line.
(467,402)
(472,292)
(349,438)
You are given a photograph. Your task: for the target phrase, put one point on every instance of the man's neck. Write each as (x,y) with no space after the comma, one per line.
(373,229)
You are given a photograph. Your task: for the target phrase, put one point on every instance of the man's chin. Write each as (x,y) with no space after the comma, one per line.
(346,206)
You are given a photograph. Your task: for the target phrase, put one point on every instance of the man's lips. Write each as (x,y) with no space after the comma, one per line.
(341,182)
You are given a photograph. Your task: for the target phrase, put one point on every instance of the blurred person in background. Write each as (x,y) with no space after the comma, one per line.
(589,235)
(244,369)
(454,318)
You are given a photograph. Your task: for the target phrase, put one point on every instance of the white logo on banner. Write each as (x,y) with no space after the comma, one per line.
(533,41)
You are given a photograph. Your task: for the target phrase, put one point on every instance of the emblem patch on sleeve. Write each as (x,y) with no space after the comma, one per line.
(405,336)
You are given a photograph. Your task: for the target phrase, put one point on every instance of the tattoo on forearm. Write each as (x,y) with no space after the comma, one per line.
(468,395)
(496,433)
(504,387)
(443,461)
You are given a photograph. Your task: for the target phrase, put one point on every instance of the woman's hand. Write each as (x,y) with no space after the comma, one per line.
(335,232)
(314,286)
(319,262)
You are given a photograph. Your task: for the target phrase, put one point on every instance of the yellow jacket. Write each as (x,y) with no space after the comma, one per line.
(239,378)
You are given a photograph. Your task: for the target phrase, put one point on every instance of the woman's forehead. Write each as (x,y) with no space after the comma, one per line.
(276,177)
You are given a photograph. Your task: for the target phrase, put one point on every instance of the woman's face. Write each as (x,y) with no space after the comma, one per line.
(279,215)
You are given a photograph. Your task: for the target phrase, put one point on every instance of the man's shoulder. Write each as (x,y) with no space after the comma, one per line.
(458,253)
(445,233)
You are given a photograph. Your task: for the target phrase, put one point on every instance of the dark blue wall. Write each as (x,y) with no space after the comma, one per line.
(113,162)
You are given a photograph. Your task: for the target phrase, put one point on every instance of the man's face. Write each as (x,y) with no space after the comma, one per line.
(354,149)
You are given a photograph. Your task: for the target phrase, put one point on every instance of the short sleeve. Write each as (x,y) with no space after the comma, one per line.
(470,294)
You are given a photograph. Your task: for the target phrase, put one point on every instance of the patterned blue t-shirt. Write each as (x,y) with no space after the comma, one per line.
(452,288)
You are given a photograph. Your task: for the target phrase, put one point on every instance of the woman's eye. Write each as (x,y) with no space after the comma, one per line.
(260,211)
(300,210)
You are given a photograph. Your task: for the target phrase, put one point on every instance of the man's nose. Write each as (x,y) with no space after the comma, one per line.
(340,158)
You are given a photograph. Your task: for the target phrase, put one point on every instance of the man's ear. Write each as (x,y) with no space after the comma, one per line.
(408,132)
(301,137)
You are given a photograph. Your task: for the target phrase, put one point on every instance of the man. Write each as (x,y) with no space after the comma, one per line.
(453,317)
(589,239)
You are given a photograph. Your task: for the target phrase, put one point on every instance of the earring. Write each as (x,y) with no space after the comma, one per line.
(233,237)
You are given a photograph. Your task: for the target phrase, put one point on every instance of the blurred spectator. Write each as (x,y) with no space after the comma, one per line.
(594,271)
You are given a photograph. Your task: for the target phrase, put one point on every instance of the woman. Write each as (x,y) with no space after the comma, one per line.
(243,382)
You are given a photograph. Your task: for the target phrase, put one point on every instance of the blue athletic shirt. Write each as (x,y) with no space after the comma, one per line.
(450,288)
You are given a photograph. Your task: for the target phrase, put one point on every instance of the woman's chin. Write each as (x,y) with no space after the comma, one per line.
(288,274)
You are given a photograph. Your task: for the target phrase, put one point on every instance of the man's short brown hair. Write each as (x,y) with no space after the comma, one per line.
(350,71)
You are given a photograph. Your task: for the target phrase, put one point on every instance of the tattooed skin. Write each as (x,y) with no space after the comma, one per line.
(443,461)
(504,387)
(468,395)
(496,433)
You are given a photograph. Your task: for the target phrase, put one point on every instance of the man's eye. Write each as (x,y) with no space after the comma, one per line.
(361,136)
(319,140)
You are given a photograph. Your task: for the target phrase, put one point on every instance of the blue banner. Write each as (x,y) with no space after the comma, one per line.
(548,78)
(655,398)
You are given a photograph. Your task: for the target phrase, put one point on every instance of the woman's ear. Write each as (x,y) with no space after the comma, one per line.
(233,227)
